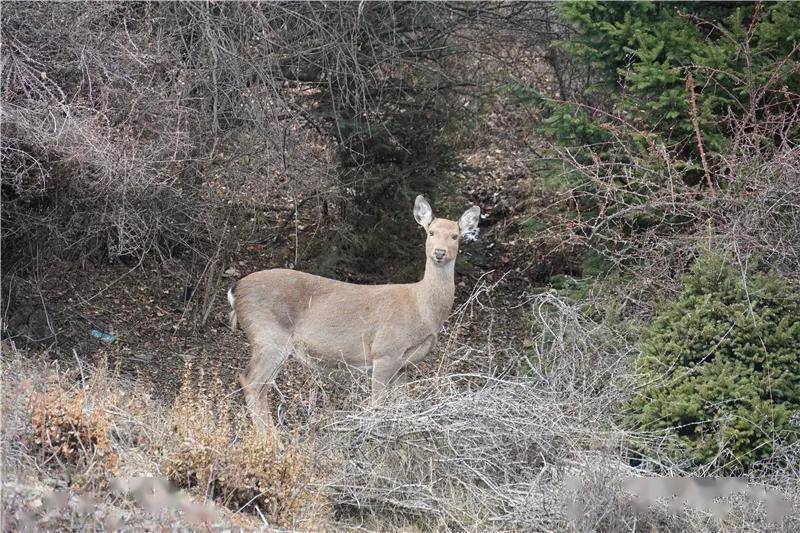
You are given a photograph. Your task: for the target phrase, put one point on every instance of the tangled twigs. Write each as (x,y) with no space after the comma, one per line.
(696,126)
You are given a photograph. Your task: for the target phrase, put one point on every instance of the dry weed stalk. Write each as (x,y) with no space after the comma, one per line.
(62,428)
(214,448)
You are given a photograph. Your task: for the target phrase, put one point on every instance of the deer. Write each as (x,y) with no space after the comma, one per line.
(385,328)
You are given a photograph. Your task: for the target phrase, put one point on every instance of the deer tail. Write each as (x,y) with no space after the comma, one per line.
(232,301)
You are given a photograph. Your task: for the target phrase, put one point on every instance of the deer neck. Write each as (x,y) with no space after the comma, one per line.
(436,291)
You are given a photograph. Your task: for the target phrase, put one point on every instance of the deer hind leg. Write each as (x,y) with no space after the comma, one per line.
(266,361)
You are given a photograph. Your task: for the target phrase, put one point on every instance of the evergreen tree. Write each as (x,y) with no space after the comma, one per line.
(722,367)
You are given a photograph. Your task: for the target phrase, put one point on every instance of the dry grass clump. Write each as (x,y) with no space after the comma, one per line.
(262,472)
(64,428)
(70,430)
(70,420)
(100,447)
(213,447)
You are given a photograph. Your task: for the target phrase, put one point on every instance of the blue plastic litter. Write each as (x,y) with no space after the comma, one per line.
(103,336)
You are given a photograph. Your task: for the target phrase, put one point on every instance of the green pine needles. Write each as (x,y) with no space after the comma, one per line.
(721,368)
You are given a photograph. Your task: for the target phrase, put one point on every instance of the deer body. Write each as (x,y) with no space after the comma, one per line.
(382,327)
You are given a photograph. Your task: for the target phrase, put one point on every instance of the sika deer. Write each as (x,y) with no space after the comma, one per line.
(384,327)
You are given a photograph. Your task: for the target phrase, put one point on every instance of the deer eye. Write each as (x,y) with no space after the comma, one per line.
(430,233)
(454,237)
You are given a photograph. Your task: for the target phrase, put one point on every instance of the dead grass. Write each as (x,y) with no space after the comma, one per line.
(71,423)
(481,450)
(66,431)
(81,442)
(214,448)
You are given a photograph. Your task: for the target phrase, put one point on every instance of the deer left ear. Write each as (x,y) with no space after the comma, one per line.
(468,223)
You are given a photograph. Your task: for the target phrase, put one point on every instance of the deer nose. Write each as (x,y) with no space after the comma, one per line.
(439,253)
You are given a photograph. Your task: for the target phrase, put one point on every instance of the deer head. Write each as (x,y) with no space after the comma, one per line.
(441,245)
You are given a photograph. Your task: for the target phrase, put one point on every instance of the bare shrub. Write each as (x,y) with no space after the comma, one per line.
(470,450)
(462,457)
(629,202)
(94,142)
(536,452)
(148,130)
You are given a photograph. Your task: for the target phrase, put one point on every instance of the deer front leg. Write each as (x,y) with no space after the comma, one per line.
(389,369)
(383,370)
(400,378)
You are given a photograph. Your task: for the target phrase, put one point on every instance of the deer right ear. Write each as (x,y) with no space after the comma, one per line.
(423,213)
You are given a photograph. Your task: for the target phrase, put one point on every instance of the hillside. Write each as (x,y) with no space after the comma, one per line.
(623,351)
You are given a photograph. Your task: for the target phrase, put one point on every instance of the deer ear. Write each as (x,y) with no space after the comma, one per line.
(468,223)
(423,213)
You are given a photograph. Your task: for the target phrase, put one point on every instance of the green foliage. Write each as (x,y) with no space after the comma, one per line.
(648,60)
(643,53)
(721,367)
(624,146)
